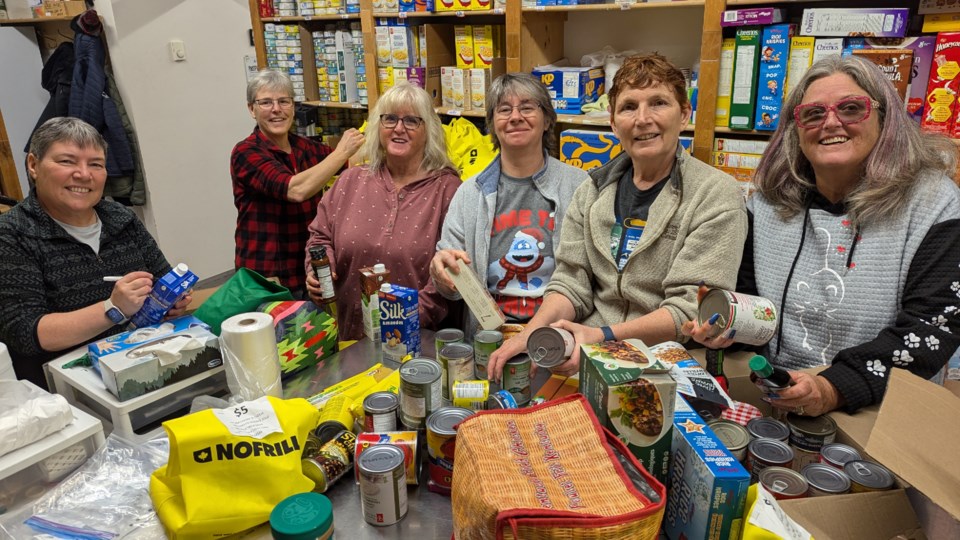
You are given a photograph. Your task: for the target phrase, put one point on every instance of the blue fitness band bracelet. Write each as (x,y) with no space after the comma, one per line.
(608,333)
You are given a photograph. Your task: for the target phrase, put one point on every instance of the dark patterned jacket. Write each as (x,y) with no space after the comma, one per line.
(45,270)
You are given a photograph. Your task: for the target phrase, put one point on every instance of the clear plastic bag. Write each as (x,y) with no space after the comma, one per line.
(28,414)
(107,498)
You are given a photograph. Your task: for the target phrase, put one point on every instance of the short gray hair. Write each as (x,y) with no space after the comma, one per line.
(524,86)
(400,96)
(65,129)
(270,79)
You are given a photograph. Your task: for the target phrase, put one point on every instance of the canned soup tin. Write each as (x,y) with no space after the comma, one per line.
(456,361)
(784,483)
(516,378)
(485,342)
(868,476)
(441,446)
(383,485)
(549,347)
(753,317)
(420,391)
(825,480)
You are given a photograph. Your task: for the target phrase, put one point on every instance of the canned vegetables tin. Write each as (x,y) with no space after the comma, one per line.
(501,399)
(768,428)
(445,337)
(383,485)
(734,436)
(784,483)
(868,476)
(420,391)
(763,453)
(754,318)
(441,445)
(380,411)
(456,361)
(549,347)
(484,343)
(516,378)
(471,395)
(825,480)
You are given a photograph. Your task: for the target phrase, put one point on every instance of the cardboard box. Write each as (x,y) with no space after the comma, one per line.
(725,82)
(896,64)
(436,50)
(633,395)
(941,22)
(460,88)
(938,6)
(873,22)
(743,146)
(735,160)
(480,79)
(370,282)
(136,362)
(62,8)
(941,95)
(403,47)
(708,486)
(801,58)
(588,149)
(774,53)
(399,322)
(446,85)
(825,47)
(922,48)
(751,16)
(743,96)
(571,88)
(463,45)
(478,299)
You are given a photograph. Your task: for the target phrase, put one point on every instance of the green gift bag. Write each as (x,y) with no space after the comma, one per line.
(242,293)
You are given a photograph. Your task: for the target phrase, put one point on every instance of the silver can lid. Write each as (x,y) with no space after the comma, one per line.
(825,478)
(839,454)
(817,426)
(457,351)
(518,360)
(449,335)
(786,482)
(488,336)
(869,474)
(381,458)
(546,347)
(381,402)
(501,399)
(443,420)
(768,428)
(771,451)
(731,434)
(420,371)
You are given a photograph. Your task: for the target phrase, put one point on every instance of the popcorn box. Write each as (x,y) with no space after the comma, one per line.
(142,360)
(571,87)
(801,58)
(587,149)
(872,22)
(774,52)
(750,16)
(725,82)
(633,396)
(707,490)
(896,64)
(941,95)
(399,322)
(746,59)
(463,44)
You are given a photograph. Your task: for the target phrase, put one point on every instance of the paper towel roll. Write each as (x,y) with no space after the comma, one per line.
(249,347)
(6,365)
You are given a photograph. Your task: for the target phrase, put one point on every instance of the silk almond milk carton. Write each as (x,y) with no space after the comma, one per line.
(399,321)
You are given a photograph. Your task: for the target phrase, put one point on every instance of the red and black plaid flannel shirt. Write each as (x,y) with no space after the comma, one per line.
(272,231)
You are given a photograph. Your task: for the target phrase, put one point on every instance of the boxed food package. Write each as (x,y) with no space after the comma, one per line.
(460,88)
(801,58)
(382,39)
(749,16)
(136,362)
(774,53)
(446,85)
(403,46)
(743,96)
(941,22)
(744,146)
(922,48)
(824,47)
(399,322)
(478,299)
(725,84)
(371,278)
(63,8)
(587,149)
(483,45)
(463,44)
(735,160)
(938,6)
(708,486)
(942,85)
(872,22)
(896,64)
(633,395)
(571,87)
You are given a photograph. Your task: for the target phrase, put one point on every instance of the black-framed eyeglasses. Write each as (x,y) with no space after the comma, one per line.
(526,109)
(266,104)
(851,110)
(390,121)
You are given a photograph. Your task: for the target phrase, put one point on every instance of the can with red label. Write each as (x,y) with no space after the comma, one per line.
(383,485)
(380,412)
(441,445)
(763,453)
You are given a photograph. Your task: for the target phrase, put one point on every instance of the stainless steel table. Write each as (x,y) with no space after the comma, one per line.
(429,515)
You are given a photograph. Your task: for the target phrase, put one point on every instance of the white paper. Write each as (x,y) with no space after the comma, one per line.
(768,515)
(255,419)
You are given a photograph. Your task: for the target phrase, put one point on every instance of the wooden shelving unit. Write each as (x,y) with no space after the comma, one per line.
(34,22)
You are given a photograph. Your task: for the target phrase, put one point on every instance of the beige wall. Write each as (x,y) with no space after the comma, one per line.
(188,115)
(22,99)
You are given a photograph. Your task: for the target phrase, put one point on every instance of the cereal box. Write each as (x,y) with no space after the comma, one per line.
(633,396)
(725,84)
(872,22)
(571,87)
(922,48)
(801,58)
(896,64)
(774,52)
(707,489)
(749,16)
(399,322)
(743,96)
(463,44)
(942,85)
(825,47)
(941,22)
(587,149)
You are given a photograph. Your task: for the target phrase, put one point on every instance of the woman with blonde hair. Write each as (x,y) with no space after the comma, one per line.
(389,211)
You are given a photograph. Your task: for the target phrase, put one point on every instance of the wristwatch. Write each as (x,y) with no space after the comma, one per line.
(113,312)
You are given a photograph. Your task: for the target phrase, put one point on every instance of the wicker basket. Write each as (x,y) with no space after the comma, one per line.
(550,471)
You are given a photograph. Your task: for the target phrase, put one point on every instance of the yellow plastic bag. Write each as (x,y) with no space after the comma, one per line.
(468,149)
(217,482)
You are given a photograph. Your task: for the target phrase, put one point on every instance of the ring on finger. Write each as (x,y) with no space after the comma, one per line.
(800,410)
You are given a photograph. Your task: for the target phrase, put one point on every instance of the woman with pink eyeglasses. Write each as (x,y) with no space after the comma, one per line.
(854,235)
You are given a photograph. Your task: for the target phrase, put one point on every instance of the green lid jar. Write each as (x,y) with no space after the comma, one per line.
(304,516)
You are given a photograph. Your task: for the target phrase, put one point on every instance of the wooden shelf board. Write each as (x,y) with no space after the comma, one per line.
(336,104)
(424,14)
(447,111)
(617,6)
(750,132)
(30,22)
(584,120)
(308,18)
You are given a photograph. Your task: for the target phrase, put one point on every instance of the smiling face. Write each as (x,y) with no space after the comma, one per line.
(69,181)
(275,121)
(517,133)
(648,122)
(834,149)
(401,143)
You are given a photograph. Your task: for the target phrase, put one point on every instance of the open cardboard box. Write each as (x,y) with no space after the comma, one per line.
(915,433)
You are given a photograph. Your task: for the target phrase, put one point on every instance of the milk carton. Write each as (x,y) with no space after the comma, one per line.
(399,321)
(371,279)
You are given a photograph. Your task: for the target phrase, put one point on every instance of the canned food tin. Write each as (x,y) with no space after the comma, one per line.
(311,445)
(380,411)
(344,443)
(337,409)
(404,440)
(516,378)
(734,436)
(471,395)
(420,391)
(753,317)
(549,347)
(501,399)
(510,330)
(325,468)
(456,361)
(445,337)
(383,485)
(825,480)
(441,445)
(784,483)
(808,434)
(763,453)
(484,343)
(868,476)
(768,428)
(837,455)
(326,431)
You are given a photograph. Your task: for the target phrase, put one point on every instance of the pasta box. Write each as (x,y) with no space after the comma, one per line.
(633,395)
(139,361)
(571,87)
(708,486)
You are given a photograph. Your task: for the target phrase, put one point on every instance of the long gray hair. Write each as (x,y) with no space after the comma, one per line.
(785,176)
(400,96)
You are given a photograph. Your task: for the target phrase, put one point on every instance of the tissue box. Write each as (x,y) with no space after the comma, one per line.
(136,362)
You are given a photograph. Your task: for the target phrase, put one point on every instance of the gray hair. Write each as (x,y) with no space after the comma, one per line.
(785,176)
(524,86)
(65,129)
(401,96)
(271,79)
